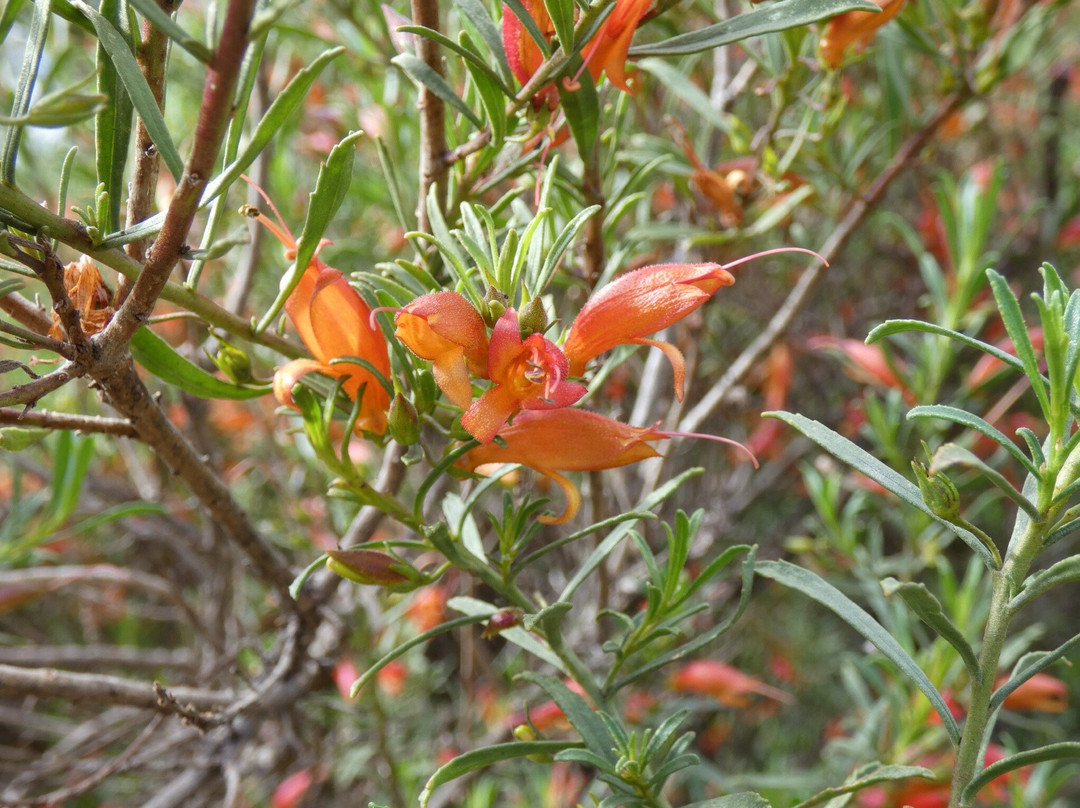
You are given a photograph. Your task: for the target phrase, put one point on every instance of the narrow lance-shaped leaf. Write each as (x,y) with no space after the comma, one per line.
(869,775)
(577,712)
(424,75)
(765,19)
(815,587)
(478,15)
(1055,751)
(165,23)
(892,481)
(928,609)
(134,82)
(481,758)
(158,357)
(1013,319)
(24,90)
(1065,571)
(965,418)
(330,188)
(112,124)
(743,799)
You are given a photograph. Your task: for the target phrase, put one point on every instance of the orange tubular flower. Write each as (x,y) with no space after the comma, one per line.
(726,684)
(606,52)
(445,328)
(522,53)
(527,374)
(558,440)
(855,28)
(640,303)
(1042,693)
(333,322)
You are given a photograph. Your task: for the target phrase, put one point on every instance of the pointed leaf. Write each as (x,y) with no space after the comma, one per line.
(1013,319)
(24,90)
(867,776)
(1028,666)
(158,357)
(928,609)
(481,758)
(764,19)
(965,418)
(892,481)
(1065,571)
(477,14)
(890,327)
(578,713)
(817,588)
(581,106)
(422,74)
(134,82)
(1067,750)
(744,799)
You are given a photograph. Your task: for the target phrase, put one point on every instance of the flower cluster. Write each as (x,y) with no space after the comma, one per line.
(530,379)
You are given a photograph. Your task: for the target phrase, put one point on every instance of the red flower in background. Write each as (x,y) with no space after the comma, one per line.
(855,28)
(728,685)
(607,51)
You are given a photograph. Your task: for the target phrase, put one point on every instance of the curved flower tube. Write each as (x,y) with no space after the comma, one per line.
(445,328)
(855,28)
(558,440)
(522,53)
(643,302)
(527,374)
(606,52)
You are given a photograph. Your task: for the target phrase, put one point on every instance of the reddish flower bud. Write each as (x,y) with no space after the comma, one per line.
(368,567)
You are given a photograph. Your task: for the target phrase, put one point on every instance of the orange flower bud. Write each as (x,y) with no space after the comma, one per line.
(855,28)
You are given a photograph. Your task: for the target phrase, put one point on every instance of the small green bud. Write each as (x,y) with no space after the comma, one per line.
(938,492)
(532,319)
(495,303)
(425,392)
(234,363)
(402,422)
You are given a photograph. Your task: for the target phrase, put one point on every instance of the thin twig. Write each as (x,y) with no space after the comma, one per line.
(93,688)
(63,420)
(31,392)
(29,314)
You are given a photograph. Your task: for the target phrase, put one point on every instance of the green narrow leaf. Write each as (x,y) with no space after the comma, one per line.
(165,23)
(472,59)
(1055,751)
(17,438)
(112,124)
(816,588)
(158,357)
(890,327)
(581,106)
(567,236)
(561,13)
(481,758)
(404,214)
(577,712)
(1028,666)
(1065,571)
(1013,319)
(867,776)
(928,609)
(478,15)
(331,185)
(764,19)
(744,799)
(281,111)
(8,17)
(622,531)
(24,90)
(422,74)
(494,100)
(965,418)
(119,52)
(892,481)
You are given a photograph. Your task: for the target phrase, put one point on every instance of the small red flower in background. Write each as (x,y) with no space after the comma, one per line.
(728,685)
(867,364)
(1041,693)
(290,791)
(428,608)
(333,323)
(526,374)
(855,28)
(445,328)
(391,678)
